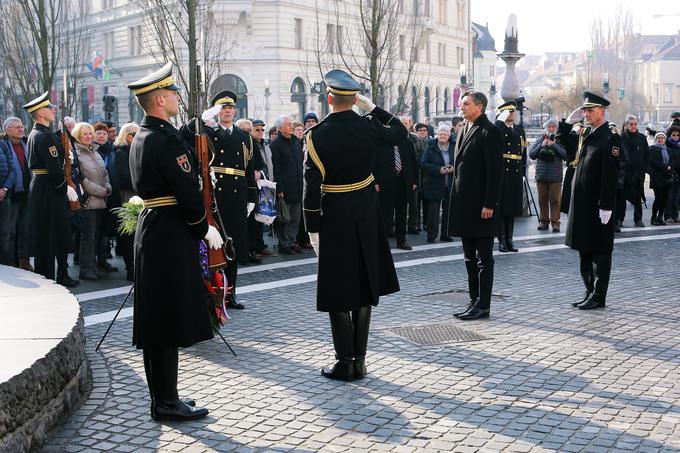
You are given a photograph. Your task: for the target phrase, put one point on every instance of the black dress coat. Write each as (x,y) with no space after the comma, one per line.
(477,180)
(232,193)
(594,188)
(384,170)
(511,200)
(355,262)
(569,140)
(49,227)
(287,163)
(171,307)
(659,174)
(434,183)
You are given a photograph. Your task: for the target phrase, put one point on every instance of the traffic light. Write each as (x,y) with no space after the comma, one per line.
(110,103)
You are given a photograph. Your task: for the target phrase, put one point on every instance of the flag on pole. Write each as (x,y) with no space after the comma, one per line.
(99,67)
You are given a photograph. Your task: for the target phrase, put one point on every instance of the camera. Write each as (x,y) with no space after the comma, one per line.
(551,137)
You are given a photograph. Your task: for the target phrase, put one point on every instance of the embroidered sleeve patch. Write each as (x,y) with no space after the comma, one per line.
(615,151)
(183,162)
(53,151)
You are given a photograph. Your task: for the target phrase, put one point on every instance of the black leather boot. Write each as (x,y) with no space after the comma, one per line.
(361,319)
(509,232)
(343,341)
(502,246)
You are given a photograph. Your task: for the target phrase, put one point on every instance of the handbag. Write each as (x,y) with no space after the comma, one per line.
(283,213)
(265,211)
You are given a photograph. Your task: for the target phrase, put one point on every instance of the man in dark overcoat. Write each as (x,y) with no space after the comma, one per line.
(590,228)
(171,309)
(236,189)
(510,202)
(473,202)
(342,216)
(49,227)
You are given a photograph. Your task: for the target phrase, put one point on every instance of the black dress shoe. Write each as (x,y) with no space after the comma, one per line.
(130,276)
(359,368)
(235,305)
(191,403)
(253,259)
(68,282)
(511,246)
(586,296)
(106,267)
(467,309)
(404,246)
(176,410)
(502,247)
(475,313)
(343,370)
(431,240)
(286,251)
(446,239)
(413,231)
(592,303)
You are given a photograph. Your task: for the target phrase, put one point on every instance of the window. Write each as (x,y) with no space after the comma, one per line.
(109,44)
(461,15)
(401,6)
(442,11)
(459,56)
(106,4)
(492,71)
(298,33)
(340,35)
(135,40)
(656,93)
(668,93)
(83,8)
(441,54)
(330,37)
(402,47)
(428,54)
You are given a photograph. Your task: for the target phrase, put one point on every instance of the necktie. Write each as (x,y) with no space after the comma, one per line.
(227,131)
(397,160)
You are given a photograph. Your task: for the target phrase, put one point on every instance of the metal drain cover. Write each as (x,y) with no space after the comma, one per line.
(436,334)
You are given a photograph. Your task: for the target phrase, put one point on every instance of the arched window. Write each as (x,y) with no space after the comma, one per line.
(437,100)
(427,101)
(415,107)
(298,97)
(447,101)
(235,84)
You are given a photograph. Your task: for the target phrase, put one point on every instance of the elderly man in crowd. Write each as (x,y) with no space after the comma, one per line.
(636,150)
(287,161)
(437,167)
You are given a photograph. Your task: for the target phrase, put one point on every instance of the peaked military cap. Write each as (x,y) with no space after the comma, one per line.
(593,100)
(225,97)
(155,81)
(510,105)
(339,82)
(40,102)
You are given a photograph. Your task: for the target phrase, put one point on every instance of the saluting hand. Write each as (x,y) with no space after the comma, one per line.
(575,116)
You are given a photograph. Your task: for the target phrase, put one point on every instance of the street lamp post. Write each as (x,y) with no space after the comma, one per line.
(541,111)
(549,108)
(267,93)
(605,90)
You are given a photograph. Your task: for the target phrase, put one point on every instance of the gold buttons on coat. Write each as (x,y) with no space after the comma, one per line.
(222,151)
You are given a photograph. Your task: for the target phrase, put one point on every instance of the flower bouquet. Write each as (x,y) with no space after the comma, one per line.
(128,215)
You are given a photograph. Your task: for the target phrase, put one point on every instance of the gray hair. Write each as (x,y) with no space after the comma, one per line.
(477,97)
(243,122)
(278,122)
(444,128)
(10,120)
(631,117)
(551,121)
(68,119)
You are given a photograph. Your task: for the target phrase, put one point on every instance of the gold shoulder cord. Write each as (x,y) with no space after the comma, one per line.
(574,163)
(315,156)
(247,153)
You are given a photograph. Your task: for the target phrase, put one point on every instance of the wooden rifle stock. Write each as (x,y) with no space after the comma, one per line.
(66,144)
(217,259)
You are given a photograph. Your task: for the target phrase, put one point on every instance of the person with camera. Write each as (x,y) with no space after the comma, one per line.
(550,155)
(662,176)
(437,167)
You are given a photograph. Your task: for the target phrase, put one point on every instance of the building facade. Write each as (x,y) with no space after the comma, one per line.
(275,51)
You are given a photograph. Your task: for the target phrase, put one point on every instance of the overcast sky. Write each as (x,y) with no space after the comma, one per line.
(565,26)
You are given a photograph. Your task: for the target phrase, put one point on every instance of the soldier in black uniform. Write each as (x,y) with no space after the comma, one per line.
(49,227)
(236,190)
(514,164)
(171,308)
(590,228)
(343,218)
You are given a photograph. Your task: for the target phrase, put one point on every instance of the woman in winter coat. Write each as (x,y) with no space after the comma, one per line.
(661,165)
(122,165)
(96,184)
(437,167)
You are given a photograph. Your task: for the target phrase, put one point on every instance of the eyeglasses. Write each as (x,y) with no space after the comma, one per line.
(259,129)
(133,133)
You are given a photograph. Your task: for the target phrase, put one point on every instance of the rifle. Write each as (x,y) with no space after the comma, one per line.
(65,140)
(217,259)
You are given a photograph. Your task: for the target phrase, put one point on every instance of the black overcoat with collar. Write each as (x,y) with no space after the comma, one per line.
(511,199)
(355,262)
(477,180)
(49,227)
(232,192)
(171,307)
(593,188)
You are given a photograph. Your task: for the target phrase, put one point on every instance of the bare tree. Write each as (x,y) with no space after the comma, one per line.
(186,33)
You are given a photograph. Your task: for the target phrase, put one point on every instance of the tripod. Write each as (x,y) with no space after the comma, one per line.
(530,197)
(121,309)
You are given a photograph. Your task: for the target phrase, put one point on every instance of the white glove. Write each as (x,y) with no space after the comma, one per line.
(314,240)
(250,208)
(365,103)
(211,113)
(71,194)
(214,238)
(575,116)
(605,216)
(503,115)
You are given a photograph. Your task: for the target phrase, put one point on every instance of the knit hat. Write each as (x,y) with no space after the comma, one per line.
(310,116)
(444,127)
(660,134)
(550,122)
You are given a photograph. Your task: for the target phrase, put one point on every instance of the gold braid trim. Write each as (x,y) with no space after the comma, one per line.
(315,157)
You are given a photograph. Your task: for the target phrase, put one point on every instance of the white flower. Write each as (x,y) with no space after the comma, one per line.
(136,200)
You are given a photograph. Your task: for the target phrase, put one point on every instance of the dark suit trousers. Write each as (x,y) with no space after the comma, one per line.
(432,216)
(478,253)
(595,271)
(414,203)
(393,203)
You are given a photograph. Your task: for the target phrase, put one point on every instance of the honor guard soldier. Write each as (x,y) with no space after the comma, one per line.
(236,189)
(343,218)
(171,308)
(590,228)
(49,225)
(511,199)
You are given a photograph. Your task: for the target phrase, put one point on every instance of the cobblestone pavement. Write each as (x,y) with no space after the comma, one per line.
(538,376)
